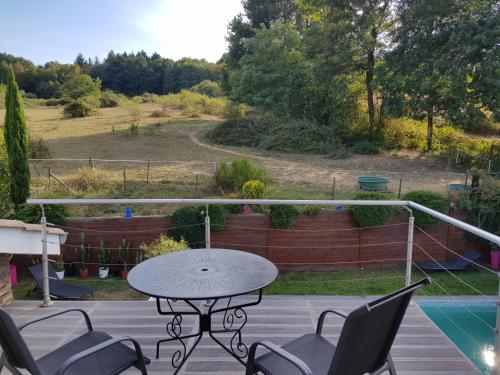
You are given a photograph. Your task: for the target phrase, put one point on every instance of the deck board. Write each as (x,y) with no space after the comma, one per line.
(420,347)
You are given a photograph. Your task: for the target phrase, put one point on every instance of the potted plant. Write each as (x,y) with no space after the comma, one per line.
(123,251)
(104,260)
(84,256)
(59,268)
(139,257)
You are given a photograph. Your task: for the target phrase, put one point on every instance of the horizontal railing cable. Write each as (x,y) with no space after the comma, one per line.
(311,246)
(451,273)
(315,230)
(454,252)
(160,229)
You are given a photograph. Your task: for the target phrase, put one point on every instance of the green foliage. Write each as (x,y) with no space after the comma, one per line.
(193,103)
(483,204)
(208,88)
(16,140)
(55,214)
(232,176)
(109,99)
(39,149)
(218,216)
(188,225)
(311,210)
(234,110)
(59,264)
(255,189)
(340,152)
(364,148)
(104,255)
(56,102)
(5,202)
(84,253)
(276,134)
(123,253)
(163,245)
(283,216)
(371,216)
(81,86)
(79,108)
(428,199)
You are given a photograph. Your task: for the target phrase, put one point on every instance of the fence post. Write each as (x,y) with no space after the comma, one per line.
(124,182)
(91,163)
(48,183)
(333,189)
(147,173)
(496,370)
(400,186)
(45,261)
(409,248)
(207,228)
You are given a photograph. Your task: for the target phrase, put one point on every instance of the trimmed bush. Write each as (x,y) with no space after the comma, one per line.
(311,210)
(31,214)
(188,225)
(283,216)
(431,200)
(255,189)
(163,245)
(218,216)
(232,176)
(371,216)
(364,148)
(79,108)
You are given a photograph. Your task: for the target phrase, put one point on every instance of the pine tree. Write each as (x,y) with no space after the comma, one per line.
(16,140)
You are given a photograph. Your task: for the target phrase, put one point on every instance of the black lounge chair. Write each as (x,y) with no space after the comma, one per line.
(94,352)
(457,264)
(56,287)
(363,347)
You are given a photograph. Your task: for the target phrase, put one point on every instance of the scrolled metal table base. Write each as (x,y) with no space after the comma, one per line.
(234,319)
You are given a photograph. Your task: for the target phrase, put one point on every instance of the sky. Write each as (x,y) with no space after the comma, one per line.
(57,30)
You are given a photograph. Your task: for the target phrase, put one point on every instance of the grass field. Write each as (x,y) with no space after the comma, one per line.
(180,140)
(340,282)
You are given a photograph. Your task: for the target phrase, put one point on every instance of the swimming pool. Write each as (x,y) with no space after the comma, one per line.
(471,335)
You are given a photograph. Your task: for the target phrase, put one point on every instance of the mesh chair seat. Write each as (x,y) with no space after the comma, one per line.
(112,360)
(313,349)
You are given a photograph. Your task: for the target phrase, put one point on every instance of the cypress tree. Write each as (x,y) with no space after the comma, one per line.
(16,140)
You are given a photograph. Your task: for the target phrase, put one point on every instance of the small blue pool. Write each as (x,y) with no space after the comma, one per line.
(472,336)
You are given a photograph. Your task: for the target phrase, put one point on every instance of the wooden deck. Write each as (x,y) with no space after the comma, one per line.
(420,347)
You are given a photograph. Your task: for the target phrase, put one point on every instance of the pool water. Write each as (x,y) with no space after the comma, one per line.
(472,336)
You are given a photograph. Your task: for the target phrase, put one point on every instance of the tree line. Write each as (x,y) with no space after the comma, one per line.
(127,73)
(351,64)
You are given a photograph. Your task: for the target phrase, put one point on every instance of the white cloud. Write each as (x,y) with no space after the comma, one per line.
(193,28)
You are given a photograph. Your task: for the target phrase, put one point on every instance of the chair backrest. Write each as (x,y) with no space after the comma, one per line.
(37,273)
(13,345)
(369,332)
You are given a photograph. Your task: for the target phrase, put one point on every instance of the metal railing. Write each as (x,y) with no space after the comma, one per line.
(408,205)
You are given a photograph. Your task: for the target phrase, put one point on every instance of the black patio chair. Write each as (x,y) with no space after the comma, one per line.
(363,347)
(94,352)
(57,288)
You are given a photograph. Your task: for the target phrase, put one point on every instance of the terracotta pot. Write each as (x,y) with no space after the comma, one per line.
(124,275)
(84,273)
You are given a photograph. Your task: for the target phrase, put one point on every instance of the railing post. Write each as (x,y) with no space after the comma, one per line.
(409,248)
(207,228)
(45,261)
(496,370)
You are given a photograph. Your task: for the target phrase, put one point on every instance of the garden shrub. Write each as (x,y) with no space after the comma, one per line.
(431,200)
(163,245)
(255,189)
(38,149)
(218,216)
(109,99)
(56,102)
(371,216)
(311,210)
(188,225)
(208,88)
(364,148)
(79,108)
(55,213)
(283,216)
(232,176)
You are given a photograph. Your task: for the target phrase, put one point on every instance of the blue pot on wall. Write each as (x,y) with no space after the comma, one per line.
(128,212)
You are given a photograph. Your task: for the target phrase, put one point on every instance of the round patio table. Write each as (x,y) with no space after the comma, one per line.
(203,274)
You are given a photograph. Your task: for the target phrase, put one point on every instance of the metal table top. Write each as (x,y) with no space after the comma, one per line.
(202,274)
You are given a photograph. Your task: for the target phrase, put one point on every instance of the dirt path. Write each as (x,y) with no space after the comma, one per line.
(417,171)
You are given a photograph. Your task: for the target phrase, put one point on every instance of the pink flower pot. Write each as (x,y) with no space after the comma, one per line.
(495,258)
(13,274)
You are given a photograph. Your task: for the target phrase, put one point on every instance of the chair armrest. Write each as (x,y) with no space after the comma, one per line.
(56,313)
(321,319)
(106,344)
(297,362)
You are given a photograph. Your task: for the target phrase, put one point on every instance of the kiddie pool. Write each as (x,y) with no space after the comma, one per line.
(372,183)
